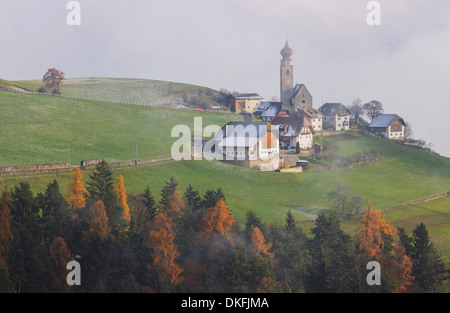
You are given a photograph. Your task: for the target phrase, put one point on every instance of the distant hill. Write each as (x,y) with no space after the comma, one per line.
(141,91)
(38,129)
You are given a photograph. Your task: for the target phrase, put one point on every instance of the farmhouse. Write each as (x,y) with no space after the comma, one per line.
(248,141)
(390,126)
(313,116)
(293,130)
(336,116)
(268,110)
(244,102)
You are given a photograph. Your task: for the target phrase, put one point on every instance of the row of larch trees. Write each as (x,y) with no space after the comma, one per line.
(186,242)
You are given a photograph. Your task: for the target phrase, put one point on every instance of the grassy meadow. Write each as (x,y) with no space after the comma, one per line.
(38,129)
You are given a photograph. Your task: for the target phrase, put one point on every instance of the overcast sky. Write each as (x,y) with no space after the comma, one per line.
(235,44)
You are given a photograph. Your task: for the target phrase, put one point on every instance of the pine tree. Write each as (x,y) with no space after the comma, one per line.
(150,203)
(252,221)
(332,257)
(6,236)
(167,190)
(212,197)
(55,214)
(101,187)
(193,199)
(428,267)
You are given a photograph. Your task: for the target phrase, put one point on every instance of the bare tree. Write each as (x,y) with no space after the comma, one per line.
(373,108)
(344,202)
(408,131)
(356,109)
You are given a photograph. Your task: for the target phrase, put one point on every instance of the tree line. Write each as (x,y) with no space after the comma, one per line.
(187,242)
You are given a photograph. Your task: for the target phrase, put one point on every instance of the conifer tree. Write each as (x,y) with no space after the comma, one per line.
(161,241)
(193,199)
(60,255)
(260,244)
(6,236)
(101,187)
(428,267)
(150,203)
(122,198)
(98,221)
(76,191)
(167,191)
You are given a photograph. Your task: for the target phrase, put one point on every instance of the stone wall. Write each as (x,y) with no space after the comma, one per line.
(33,169)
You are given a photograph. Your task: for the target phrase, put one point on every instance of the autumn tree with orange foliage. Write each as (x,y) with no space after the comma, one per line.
(161,241)
(76,191)
(61,255)
(6,236)
(376,242)
(97,220)
(218,221)
(260,244)
(122,198)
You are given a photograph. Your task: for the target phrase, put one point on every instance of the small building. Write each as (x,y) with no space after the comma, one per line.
(293,130)
(248,141)
(336,116)
(314,117)
(247,102)
(268,110)
(389,126)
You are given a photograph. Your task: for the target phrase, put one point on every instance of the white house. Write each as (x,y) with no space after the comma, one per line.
(336,116)
(248,141)
(293,129)
(390,126)
(314,117)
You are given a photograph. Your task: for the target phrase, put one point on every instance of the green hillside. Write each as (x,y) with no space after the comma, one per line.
(38,129)
(141,91)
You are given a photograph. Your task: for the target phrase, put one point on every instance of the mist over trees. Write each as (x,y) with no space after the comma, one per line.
(188,242)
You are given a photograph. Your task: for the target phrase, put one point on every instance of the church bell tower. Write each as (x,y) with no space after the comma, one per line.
(286,76)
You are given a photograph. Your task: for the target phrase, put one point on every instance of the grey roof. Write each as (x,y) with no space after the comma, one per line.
(310,112)
(385,120)
(329,109)
(297,89)
(242,134)
(246,96)
(291,126)
(268,108)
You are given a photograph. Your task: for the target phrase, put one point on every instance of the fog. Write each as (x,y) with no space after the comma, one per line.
(235,44)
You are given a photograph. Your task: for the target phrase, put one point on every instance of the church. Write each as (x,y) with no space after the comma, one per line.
(294,98)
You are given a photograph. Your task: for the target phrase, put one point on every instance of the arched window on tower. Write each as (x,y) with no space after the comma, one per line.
(287,72)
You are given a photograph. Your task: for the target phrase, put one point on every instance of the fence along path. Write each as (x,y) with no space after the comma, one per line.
(177,107)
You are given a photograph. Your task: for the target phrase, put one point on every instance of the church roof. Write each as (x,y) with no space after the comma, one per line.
(286,52)
(297,89)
